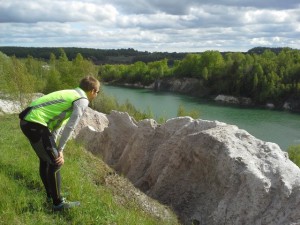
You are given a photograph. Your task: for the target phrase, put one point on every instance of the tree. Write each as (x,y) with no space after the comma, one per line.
(80,68)
(189,66)
(21,84)
(39,70)
(63,65)
(205,73)
(5,70)
(110,73)
(53,81)
(159,69)
(294,77)
(135,72)
(213,61)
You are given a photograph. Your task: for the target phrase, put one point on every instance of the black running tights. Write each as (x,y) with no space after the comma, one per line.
(44,146)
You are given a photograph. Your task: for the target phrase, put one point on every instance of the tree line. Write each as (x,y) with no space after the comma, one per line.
(261,77)
(264,77)
(97,56)
(20,77)
(108,56)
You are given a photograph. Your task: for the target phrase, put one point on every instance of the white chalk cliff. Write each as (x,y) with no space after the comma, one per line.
(209,172)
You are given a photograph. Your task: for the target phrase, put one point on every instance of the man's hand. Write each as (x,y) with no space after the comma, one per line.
(60,160)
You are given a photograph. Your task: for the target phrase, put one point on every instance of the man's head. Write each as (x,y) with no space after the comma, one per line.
(91,86)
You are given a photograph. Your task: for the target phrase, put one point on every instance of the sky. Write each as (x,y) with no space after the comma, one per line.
(151,25)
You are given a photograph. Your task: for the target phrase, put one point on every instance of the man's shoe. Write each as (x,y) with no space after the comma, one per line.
(49,199)
(65,205)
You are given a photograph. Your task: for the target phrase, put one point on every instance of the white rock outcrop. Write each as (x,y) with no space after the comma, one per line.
(227,99)
(9,107)
(209,172)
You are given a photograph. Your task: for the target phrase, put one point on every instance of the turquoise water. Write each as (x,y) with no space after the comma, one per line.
(280,127)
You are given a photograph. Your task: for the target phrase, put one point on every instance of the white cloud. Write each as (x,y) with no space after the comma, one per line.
(169,25)
(262,41)
(55,11)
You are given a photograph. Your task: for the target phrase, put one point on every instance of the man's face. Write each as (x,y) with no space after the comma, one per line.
(93,93)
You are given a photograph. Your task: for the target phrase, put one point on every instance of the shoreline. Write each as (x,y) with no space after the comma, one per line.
(225,100)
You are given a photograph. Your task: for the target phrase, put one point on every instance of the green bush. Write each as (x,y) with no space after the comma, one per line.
(195,114)
(105,104)
(294,154)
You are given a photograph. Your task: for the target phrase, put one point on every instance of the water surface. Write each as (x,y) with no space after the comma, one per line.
(280,127)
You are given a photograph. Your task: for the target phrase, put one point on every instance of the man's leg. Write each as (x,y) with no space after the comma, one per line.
(47,148)
(44,146)
(44,167)
(54,180)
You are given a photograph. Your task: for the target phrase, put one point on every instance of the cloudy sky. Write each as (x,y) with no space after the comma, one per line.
(151,25)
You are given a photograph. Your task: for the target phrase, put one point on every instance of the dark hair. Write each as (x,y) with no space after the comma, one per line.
(89,83)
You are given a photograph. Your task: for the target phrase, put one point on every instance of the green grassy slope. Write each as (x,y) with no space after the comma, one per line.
(105,197)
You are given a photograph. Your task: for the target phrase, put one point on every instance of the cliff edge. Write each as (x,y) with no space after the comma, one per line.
(209,172)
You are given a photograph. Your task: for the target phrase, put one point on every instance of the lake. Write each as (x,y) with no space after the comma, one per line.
(280,127)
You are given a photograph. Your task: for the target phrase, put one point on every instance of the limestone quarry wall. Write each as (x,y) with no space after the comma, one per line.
(209,172)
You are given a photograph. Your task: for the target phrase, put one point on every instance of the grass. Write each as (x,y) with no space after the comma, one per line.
(105,197)
(294,154)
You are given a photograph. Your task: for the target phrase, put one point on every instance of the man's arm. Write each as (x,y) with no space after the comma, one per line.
(79,107)
(56,134)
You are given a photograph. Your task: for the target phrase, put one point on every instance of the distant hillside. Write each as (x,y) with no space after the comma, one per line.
(108,56)
(98,56)
(260,50)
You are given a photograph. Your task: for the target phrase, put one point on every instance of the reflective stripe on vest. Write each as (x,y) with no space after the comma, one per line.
(54,109)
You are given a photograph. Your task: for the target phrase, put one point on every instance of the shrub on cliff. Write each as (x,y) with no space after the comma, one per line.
(294,154)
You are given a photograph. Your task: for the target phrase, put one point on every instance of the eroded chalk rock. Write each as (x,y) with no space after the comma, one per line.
(209,172)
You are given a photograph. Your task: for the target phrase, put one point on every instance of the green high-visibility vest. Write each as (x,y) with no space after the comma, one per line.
(54,110)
